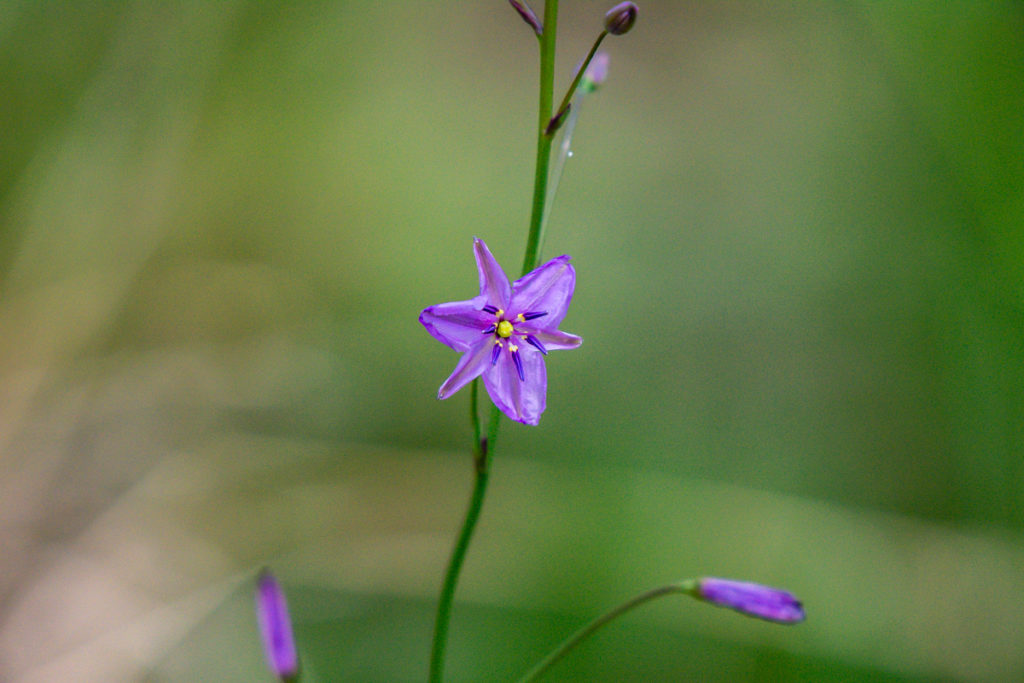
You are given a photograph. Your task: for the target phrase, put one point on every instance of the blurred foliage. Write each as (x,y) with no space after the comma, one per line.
(798,234)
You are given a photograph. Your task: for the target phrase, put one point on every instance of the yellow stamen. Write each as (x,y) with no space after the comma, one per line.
(520,318)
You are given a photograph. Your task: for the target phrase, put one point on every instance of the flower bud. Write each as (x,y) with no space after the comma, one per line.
(527,14)
(752,599)
(595,74)
(620,18)
(276,627)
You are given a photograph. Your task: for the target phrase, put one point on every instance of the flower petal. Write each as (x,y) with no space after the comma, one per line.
(557,340)
(470,366)
(522,400)
(493,282)
(549,288)
(457,324)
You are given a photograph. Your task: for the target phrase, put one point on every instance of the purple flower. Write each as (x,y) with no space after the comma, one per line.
(505,332)
(753,599)
(276,627)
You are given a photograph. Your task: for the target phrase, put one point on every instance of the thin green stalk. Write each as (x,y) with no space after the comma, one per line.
(575,639)
(535,239)
(474,410)
(481,460)
(483,448)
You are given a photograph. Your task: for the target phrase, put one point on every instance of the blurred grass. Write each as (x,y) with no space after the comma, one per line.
(798,236)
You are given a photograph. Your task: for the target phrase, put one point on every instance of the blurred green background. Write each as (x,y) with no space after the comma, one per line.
(798,235)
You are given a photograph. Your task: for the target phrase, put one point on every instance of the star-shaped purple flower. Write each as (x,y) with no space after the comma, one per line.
(505,332)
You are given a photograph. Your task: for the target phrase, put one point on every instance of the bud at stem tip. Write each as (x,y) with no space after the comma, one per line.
(620,19)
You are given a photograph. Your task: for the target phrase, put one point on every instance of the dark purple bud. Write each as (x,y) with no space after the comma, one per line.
(620,18)
(752,599)
(556,121)
(276,627)
(527,14)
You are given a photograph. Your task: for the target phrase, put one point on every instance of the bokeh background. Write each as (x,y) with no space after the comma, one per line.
(798,234)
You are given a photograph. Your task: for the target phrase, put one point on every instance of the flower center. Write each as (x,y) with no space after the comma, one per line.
(503,329)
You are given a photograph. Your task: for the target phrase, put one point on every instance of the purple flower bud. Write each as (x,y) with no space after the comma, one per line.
(620,18)
(596,73)
(527,14)
(276,627)
(752,599)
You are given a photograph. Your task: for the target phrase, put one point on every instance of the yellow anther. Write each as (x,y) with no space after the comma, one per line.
(504,329)
(520,318)
(513,348)
(500,313)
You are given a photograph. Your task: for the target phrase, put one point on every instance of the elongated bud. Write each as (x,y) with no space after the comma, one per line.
(527,14)
(620,18)
(595,74)
(752,599)
(276,627)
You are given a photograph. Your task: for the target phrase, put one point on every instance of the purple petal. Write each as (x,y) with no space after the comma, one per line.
(275,627)
(457,324)
(556,339)
(493,282)
(753,599)
(470,366)
(549,288)
(522,400)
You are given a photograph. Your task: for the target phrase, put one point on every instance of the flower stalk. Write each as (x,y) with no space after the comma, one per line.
(749,599)
(483,447)
(535,238)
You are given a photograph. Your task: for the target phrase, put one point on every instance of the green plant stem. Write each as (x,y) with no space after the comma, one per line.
(575,639)
(535,240)
(483,448)
(482,451)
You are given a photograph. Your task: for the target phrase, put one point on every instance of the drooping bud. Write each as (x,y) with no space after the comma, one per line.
(595,74)
(276,627)
(620,18)
(752,599)
(527,14)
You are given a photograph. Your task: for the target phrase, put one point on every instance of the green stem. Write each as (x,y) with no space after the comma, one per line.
(474,411)
(482,451)
(535,240)
(483,448)
(575,639)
